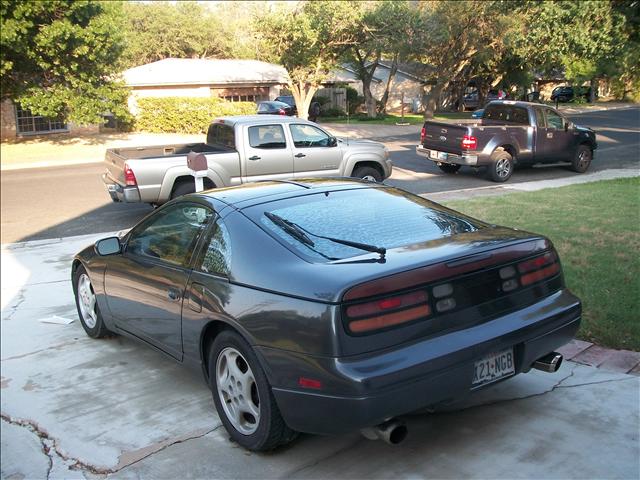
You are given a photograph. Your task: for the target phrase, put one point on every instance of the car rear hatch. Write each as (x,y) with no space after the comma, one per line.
(455,293)
(443,137)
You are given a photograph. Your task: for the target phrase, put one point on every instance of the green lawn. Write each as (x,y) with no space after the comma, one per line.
(411,118)
(596,229)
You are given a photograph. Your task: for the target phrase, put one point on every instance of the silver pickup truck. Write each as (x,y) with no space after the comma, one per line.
(239,150)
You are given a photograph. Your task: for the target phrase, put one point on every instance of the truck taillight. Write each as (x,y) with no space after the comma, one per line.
(469,142)
(129,176)
(423,134)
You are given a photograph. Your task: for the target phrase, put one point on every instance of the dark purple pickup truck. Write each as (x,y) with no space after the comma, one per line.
(510,133)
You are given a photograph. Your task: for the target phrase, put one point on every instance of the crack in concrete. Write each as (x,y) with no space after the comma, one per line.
(13,310)
(50,447)
(295,472)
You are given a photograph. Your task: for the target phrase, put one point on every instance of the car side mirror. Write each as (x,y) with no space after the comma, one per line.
(108,246)
(567,125)
(333,141)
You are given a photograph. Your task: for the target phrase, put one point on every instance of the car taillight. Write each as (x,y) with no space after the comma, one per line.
(469,142)
(129,177)
(423,134)
(282,112)
(531,271)
(388,312)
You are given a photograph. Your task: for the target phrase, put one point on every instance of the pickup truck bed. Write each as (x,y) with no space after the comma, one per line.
(509,133)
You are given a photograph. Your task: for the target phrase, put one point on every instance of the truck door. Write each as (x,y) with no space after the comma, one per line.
(313,154)
(266,154)
(556,142)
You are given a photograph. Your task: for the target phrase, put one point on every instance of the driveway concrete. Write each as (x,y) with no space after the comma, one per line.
(73,407)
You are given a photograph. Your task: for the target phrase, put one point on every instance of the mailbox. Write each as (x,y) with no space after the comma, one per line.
(196,161)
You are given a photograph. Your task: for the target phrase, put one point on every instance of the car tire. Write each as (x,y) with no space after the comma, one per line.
(87,305)
(501,166)
(367,173)
(449,167)
(183,188)
(582,159)
(242,395)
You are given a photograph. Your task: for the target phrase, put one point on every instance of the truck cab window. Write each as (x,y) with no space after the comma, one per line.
(267,137)
(554,120)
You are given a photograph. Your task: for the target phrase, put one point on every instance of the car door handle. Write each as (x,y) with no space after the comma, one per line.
(300,155)
(550,135)
(173,294)
(255,157)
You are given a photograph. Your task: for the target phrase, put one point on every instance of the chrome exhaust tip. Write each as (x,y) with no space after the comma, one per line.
(392,432)
(550,363)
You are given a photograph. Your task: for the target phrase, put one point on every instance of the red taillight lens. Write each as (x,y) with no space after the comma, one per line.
(538,268)
(469,142)
(129,177)
(388,312)
(282,112)
(423,134)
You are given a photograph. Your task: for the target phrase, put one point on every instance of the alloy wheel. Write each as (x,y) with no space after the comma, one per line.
(87,301)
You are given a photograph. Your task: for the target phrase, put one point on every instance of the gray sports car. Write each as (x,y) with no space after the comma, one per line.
(328,305)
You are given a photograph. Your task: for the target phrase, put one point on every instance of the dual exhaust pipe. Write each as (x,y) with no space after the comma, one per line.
(394,431)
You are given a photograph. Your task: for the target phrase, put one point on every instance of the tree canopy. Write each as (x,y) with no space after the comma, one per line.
(57,58)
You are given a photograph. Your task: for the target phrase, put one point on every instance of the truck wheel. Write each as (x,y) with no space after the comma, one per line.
(449,167)
(183,188)
(501,166)
(243,397)
(581,159)
(367,173)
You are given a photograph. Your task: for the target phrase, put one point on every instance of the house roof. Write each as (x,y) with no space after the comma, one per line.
(200,71)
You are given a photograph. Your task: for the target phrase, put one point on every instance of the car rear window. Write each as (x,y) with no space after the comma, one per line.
(221,135)
(381,217)
(507,114)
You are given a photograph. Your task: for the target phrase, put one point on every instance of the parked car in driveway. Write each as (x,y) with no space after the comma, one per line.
(510,133)
(275,108)
(566,93)
(238,150)
(471,100)
(328,305)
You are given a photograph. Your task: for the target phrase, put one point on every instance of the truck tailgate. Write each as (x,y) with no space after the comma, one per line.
(444,137)
(115,165)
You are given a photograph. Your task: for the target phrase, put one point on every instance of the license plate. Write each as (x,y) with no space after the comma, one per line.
(443,155)
(493,367)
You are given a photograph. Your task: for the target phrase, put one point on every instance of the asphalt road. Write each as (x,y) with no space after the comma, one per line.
(71,200)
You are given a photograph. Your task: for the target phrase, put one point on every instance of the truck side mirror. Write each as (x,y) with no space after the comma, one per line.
(333,141)
(108,246)
(567,125)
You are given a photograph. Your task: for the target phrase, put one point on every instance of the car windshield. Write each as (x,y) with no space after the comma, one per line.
(382,217)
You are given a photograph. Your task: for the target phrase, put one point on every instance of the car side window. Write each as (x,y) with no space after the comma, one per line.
(171,234)
(267,137)
(215,257)
(540,123)
(308,136)
(554,120)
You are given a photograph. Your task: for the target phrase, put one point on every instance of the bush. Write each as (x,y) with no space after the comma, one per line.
(353,100)
(184,114)
(333,112)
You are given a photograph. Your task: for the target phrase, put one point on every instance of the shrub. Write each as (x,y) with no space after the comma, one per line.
(185,114)
(354,101)
(333,112)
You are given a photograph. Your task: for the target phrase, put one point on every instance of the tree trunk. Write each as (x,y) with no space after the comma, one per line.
(431,101)
(592,93)
(303,94)
(369,100)
(392,74)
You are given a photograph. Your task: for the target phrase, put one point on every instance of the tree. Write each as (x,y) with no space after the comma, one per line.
(57,58)
(456,33)
(158,30)
(308,41)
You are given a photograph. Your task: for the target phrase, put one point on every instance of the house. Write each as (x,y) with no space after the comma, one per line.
(16,121)
(231,80)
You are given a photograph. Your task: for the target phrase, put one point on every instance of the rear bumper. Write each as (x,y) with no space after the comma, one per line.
(432,371)
(119,192)
(471,159)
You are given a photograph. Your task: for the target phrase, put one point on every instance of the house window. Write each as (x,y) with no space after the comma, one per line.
(242,98)
(29,124)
